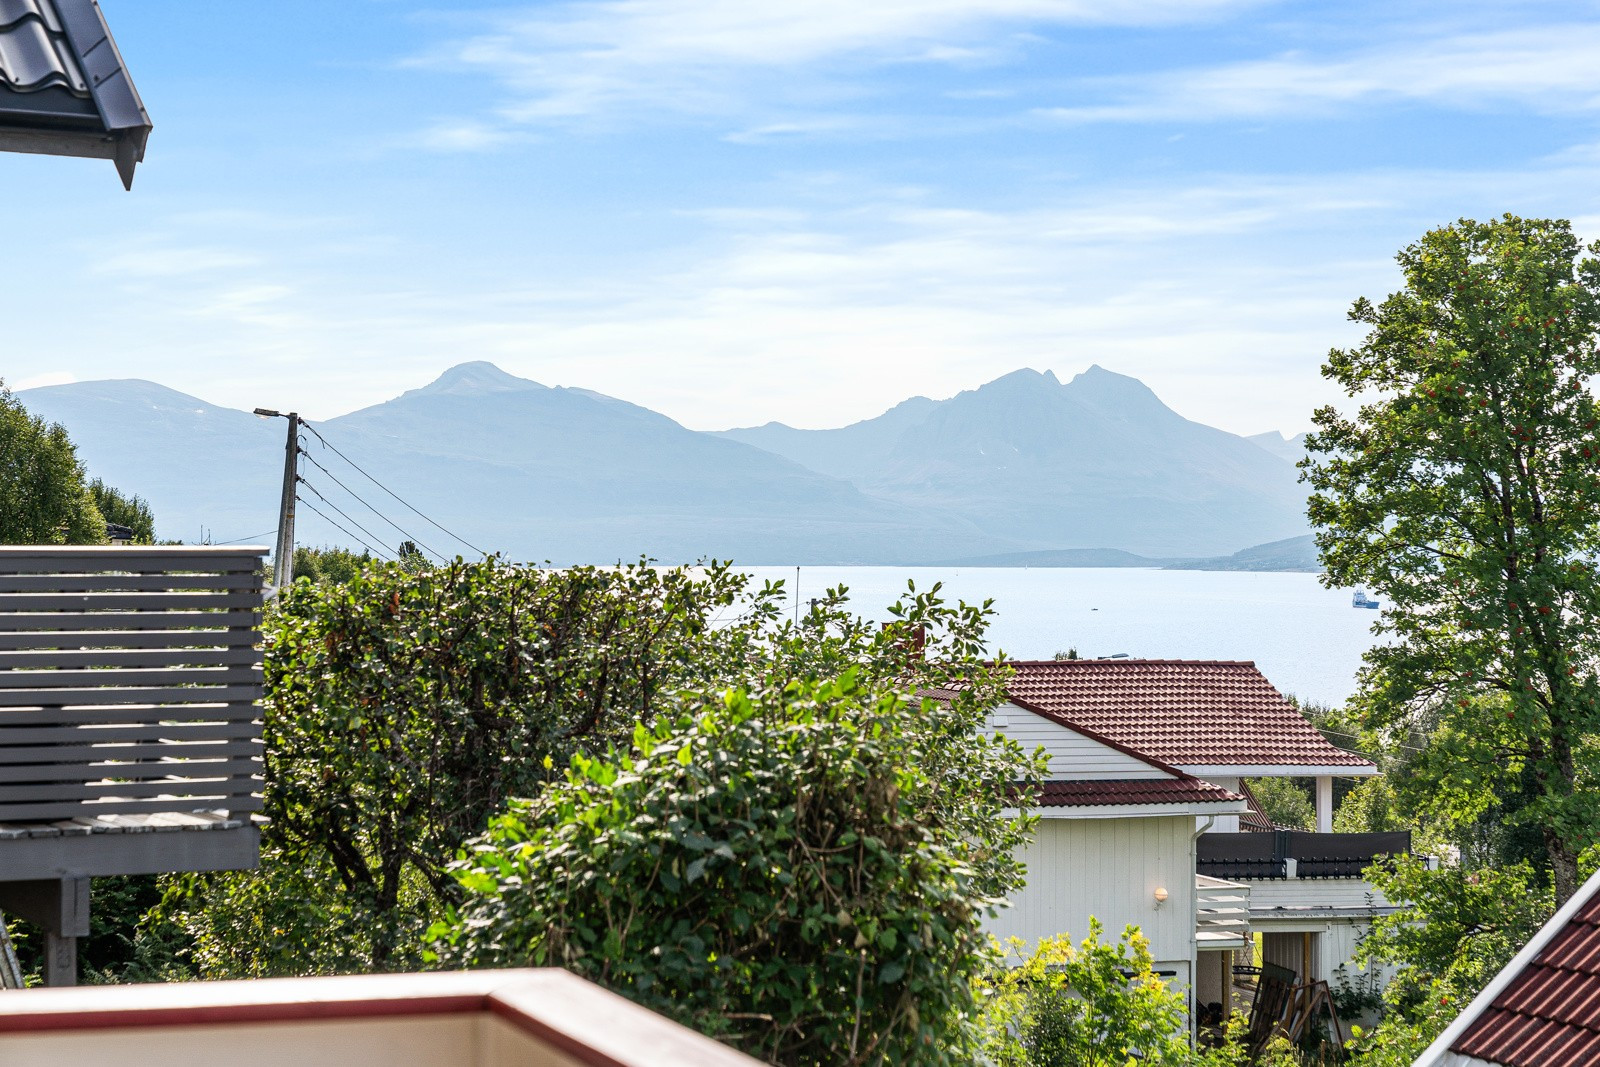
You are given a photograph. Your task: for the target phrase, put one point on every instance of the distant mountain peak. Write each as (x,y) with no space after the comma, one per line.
(1102,388)
(474,378)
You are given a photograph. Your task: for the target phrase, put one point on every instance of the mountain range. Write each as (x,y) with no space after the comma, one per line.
(1022,465)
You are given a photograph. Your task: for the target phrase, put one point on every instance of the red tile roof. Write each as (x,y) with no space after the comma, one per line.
(1549,1014)
(1091,793)
(1190,713)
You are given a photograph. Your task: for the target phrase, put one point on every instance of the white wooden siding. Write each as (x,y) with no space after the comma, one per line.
(1109,869)
(1072,755)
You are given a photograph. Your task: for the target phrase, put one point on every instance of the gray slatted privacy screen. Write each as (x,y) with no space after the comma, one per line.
(129,680)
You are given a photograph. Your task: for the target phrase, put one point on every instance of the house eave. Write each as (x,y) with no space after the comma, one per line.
(1135,811)
(1277,770)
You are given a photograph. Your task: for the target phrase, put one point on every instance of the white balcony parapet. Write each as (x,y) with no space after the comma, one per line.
(512,1018)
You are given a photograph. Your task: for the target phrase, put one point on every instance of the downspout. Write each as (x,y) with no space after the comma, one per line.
(1194,917)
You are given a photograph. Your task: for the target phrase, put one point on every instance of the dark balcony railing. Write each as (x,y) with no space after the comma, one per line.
(129,682)
(1267,855)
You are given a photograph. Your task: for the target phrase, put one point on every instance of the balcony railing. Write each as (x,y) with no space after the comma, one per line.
(130,731)
(1222,913)
(1295,854)
(129,681)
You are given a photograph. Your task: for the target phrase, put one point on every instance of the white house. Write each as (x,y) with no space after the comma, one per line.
(1208,725)
(1116,841)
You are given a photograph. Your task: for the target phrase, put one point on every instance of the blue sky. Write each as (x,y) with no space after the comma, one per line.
(737,210)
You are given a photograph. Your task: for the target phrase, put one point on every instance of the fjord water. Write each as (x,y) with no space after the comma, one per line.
(1308,640)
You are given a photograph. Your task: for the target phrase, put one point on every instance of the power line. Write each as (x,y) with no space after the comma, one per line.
(242,540)
(334,523)
(329,445)
(346,518)
(358,499)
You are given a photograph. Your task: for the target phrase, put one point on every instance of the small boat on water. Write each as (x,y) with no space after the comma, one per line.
(1361,600)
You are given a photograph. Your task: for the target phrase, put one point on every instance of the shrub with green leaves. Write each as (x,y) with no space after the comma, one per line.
(760,868)
(404,708)
(1090,1004)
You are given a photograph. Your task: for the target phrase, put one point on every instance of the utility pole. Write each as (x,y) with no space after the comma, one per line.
(283,552)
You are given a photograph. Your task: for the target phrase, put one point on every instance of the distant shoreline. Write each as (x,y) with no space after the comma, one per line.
(1292,554)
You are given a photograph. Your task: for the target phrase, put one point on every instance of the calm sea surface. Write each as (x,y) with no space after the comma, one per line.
(1308,640)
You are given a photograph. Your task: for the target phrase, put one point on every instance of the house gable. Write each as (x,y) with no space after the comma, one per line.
(1074,754)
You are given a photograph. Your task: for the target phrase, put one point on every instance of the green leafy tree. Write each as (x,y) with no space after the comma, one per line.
(761,867)
(329,564)
(43,499)
(130,511)
(404,708)
(1090,1004)
(1456,926)
(1285,802)
(1466,491)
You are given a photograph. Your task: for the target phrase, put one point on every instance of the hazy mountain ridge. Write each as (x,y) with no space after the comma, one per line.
(1021,464)
(1097,462)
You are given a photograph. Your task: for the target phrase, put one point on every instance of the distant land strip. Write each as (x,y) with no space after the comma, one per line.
(1289,554)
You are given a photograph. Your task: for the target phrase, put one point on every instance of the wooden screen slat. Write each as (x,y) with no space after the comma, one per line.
(88,753)
(148,732)
(75,559)
(97,681)
(141,695)
(126,639)
(238,803)
(91,583)
(126,620)
(124,714)
(197,785)
(92,773)
(128,658)
(168,600)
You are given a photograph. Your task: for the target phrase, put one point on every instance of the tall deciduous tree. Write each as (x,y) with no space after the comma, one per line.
(1467,490)
(43,499)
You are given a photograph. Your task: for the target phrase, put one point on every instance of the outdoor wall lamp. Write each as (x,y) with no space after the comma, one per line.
(1161,895)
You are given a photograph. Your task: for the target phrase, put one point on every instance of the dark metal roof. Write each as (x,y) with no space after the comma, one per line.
(64,89)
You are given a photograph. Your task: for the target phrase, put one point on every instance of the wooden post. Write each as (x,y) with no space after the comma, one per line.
(60,907)
(1324,804)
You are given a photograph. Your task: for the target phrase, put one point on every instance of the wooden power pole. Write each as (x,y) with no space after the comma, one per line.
(283,551)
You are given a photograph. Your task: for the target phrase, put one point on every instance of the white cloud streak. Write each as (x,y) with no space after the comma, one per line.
(699,56)
(1548,69)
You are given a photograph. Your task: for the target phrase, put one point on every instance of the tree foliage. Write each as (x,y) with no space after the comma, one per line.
(1285,802)
(329,564)
(760,866)
(1090,1004)
(407,707)
(43,499)
(130,511)
(1466,490)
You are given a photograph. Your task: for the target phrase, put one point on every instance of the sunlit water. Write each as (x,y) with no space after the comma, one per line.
(1308,640)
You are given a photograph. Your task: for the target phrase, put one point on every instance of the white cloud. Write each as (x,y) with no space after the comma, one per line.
(1549,69)
(698,56)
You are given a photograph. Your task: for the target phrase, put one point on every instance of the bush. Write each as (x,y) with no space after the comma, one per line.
(404,708)
(1085,1005)
(761,868)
